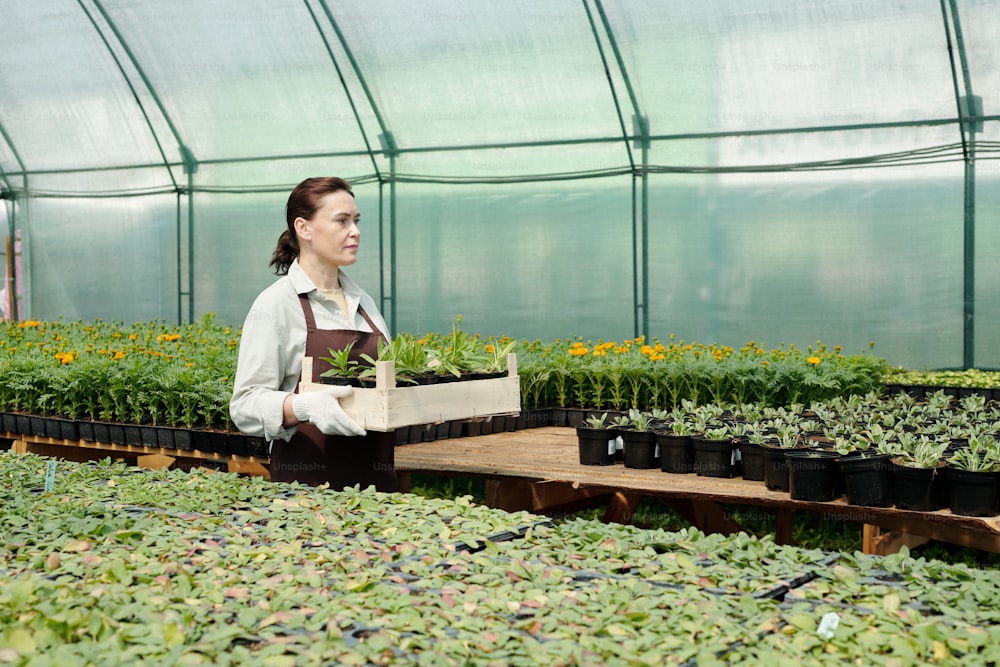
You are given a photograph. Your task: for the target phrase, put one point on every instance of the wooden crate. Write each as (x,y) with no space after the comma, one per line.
(388,407)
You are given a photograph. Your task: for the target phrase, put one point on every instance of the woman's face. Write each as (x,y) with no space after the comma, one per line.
(332,233)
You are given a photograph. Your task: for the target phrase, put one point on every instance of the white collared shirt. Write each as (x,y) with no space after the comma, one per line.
(273,343)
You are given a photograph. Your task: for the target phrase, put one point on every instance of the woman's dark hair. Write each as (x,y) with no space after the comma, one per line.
(302,203)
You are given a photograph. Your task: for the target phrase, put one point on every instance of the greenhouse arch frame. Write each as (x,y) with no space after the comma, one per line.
(788,172)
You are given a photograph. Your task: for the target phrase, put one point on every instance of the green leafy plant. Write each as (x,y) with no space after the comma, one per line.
(341,364)
(921,453)
(598,422)
(966,459)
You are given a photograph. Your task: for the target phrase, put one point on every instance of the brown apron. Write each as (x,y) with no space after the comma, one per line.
(314,458)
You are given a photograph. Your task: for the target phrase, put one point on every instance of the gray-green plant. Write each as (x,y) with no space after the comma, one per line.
(599,422)
(922,453)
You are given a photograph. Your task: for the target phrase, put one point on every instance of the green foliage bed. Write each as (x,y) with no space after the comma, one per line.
(117,566)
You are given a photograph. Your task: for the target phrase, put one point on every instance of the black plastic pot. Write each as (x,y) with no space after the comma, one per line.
(714,458)
(753,461)
(973,493)
(640,449)
(867,479)
(676,453)
(811,474)
(9,421)
(597,446)
(182,438)
(148,436)
(86,431)
(775,468)
(918,489)
(470,429)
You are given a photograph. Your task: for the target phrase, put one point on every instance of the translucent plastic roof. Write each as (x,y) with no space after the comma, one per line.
(100,84)
(180,100)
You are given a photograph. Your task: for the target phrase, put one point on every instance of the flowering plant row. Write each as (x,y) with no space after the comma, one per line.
(140,373)
(181,375)
(641,374)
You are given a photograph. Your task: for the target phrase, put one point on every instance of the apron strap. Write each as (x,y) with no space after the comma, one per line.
(311,318)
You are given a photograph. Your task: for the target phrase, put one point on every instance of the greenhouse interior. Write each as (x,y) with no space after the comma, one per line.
(791,211)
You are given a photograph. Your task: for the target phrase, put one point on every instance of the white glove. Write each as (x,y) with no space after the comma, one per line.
(322,409)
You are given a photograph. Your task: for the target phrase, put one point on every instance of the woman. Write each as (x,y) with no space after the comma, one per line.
(312,308)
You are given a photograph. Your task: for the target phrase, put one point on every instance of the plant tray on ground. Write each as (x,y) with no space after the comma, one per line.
(387,407)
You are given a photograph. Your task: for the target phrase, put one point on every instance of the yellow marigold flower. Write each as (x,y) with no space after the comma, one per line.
(646,349)
(132,336)
(813,360)
(490,349)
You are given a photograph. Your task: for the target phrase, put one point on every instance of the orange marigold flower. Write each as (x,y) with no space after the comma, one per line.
(813,360)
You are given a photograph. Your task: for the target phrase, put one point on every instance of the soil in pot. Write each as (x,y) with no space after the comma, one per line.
(753,461)
(714,458)
(811,474)
(676,453)
(640,449)
(973,493)
(867,479)
(918,489)
(596,446)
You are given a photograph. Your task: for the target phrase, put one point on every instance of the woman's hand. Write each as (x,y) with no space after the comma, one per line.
(322,409)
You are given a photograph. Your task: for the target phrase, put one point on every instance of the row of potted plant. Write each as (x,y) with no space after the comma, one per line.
(455,355)
(156,374)
(889,449)
(648,374)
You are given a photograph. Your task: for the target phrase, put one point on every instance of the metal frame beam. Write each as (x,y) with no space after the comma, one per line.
(968,119)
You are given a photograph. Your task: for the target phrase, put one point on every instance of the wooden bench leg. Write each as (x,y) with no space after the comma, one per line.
(705,515)
(879,543)
(622,507)
(784,529)
(405,478)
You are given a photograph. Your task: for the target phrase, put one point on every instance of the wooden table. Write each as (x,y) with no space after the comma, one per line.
(538,470)
(147,457)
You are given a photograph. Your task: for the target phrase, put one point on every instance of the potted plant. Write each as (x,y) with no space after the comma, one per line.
(867,472)
(786,437)
(811,474)
(714,452)
(676,448)
(974,478)
(916,476)
(751,446)
(343,369)
(639,441)
(596,441)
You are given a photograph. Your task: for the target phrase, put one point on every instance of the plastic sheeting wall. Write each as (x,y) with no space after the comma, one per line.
(803,175)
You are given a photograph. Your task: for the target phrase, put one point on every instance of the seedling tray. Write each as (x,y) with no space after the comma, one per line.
(388,406)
